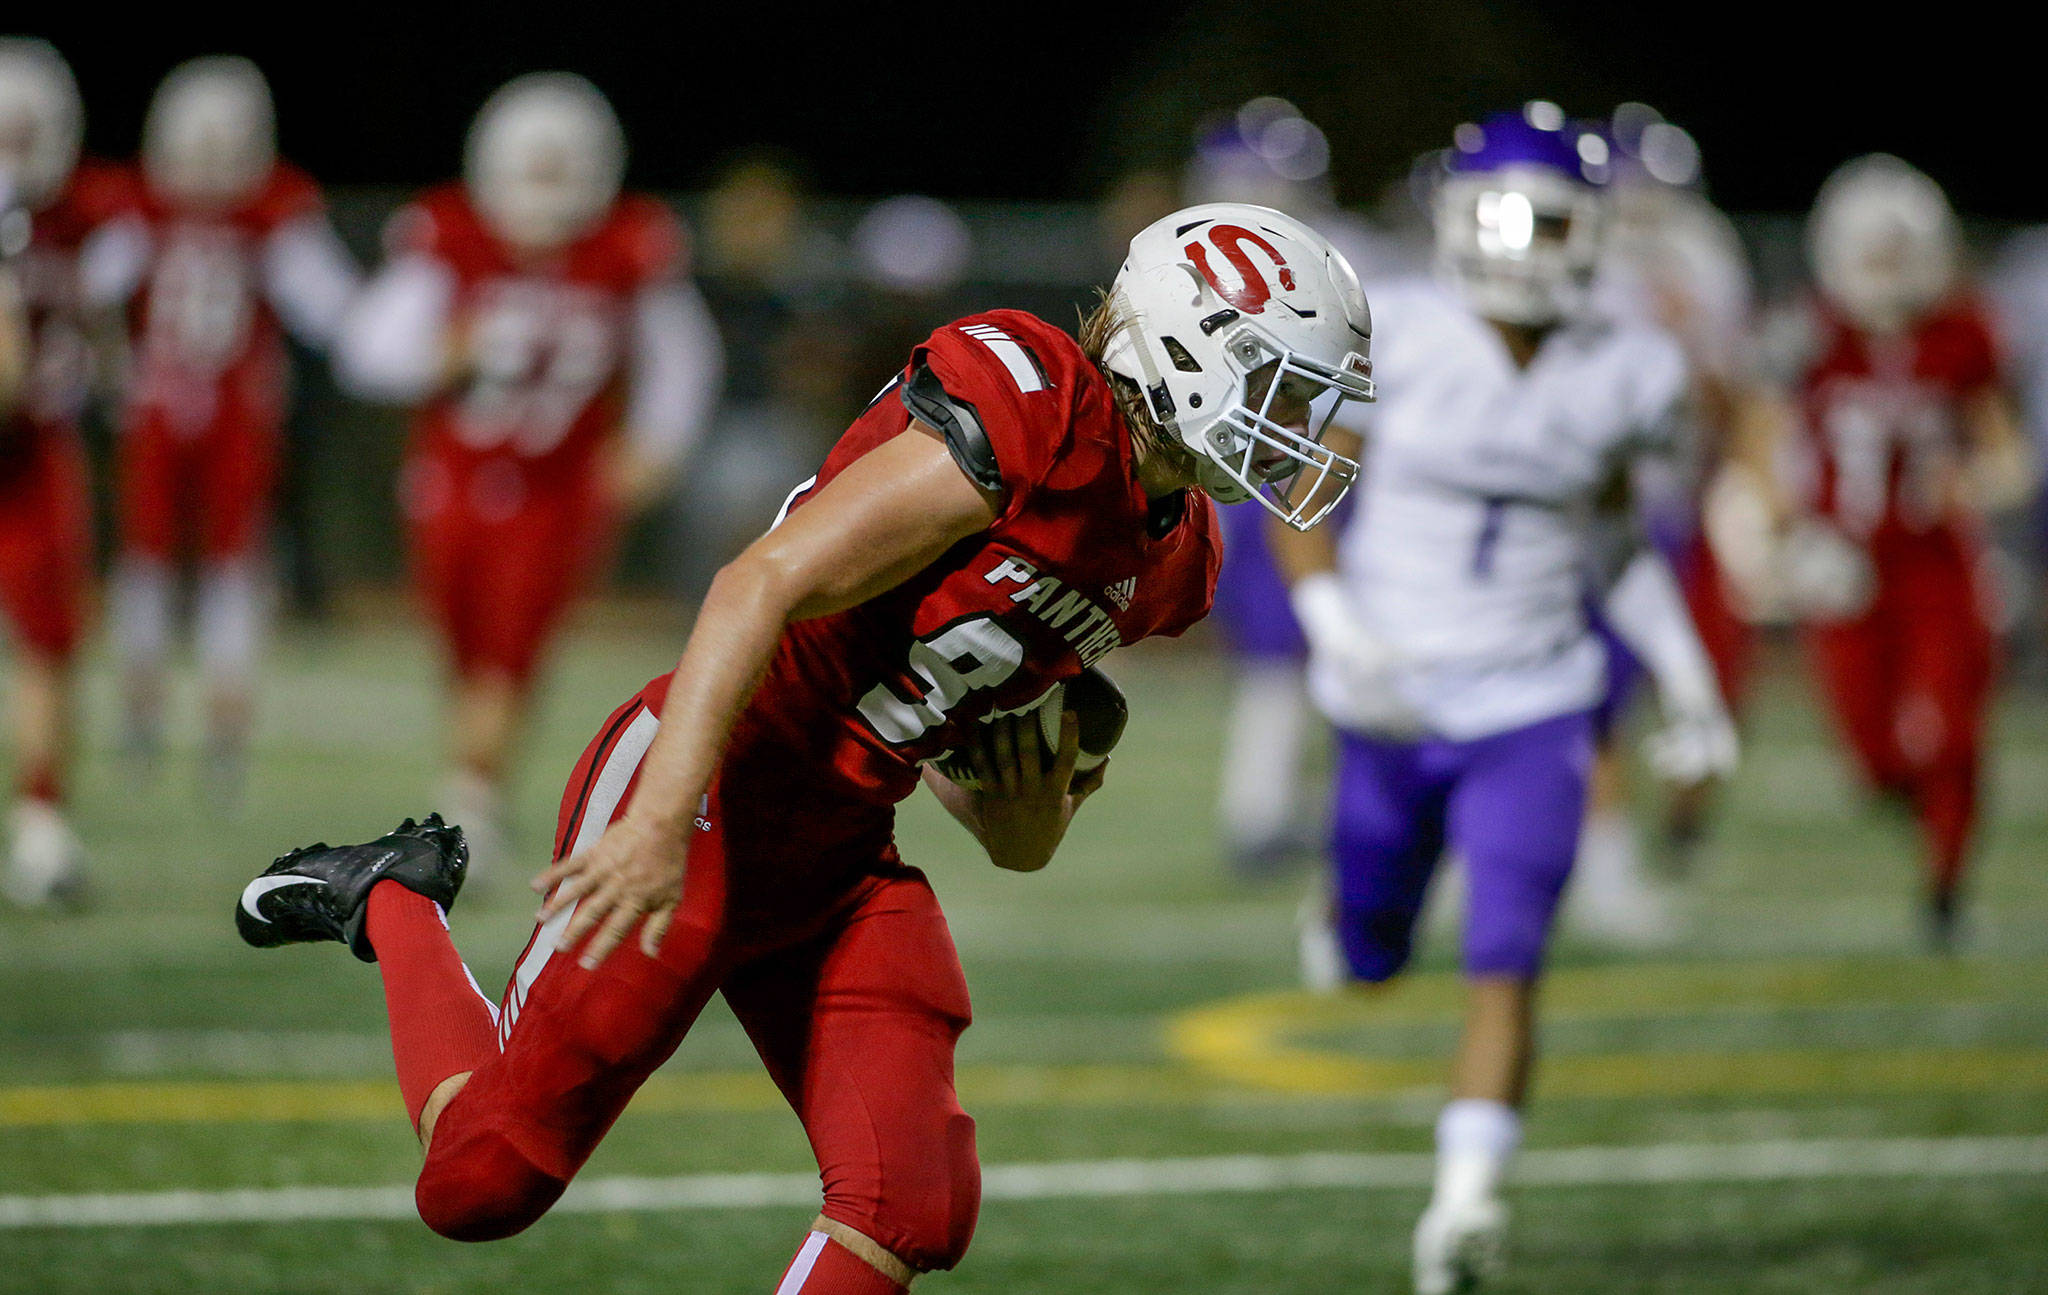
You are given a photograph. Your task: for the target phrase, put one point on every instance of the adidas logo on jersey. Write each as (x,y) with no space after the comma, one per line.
(1122,592)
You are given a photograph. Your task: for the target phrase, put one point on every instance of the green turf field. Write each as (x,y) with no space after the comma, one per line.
(1789,1101)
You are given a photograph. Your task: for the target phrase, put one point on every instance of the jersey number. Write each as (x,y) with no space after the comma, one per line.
(1488,543)
(976,653)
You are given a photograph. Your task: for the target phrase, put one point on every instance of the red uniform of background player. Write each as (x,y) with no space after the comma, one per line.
(561,366)
(221,247)
(1902,421)
(45,508)
(1005,513)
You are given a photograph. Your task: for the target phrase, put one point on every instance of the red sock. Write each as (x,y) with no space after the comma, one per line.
(40,782)
(441,1024)
(1947,808)
(824,1267)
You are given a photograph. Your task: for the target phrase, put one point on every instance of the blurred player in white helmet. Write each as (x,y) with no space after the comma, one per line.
(220,249)
(1450,642)
(1895,437)
(49,201)
(1014,505)
(561,364)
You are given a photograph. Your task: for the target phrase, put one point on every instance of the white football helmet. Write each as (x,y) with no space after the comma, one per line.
(545,160)
(1882,241)
(41,121)
(211,135)
(1519,215)
(1245,331)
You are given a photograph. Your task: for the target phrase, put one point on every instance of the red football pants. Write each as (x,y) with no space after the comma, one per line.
(1909,683)
(498,562)
(45,540)
(208,492)
(855,1007)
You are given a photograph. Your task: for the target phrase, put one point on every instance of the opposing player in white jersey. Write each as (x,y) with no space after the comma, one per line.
(1449,627)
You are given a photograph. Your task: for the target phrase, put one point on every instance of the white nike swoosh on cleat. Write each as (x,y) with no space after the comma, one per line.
(262,886)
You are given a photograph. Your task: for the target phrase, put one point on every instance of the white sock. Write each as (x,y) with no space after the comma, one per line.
(141,596)
(1269,716)
(1475,1139)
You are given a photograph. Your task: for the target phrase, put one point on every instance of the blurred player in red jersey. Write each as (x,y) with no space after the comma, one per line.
(1007,510)
(1904,438)
(562,366)
(223,246)
(49,201)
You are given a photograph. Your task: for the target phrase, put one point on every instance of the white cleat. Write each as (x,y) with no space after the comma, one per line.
(45,859)
(1323,969)
(1460,1246)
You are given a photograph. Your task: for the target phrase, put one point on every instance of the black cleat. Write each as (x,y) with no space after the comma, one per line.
(322,892)
(1940,921)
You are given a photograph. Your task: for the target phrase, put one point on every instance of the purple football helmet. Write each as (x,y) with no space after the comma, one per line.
(1519,214)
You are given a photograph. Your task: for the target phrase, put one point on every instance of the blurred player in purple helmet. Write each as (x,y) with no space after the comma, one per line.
(1450,640)
(1266,152)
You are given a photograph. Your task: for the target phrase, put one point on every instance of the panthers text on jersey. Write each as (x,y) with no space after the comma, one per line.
(1075,566)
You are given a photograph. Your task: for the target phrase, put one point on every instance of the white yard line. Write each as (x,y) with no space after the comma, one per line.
(1774,1161)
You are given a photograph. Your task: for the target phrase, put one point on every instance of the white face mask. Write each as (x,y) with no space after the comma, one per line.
(1519,246)
(1883,243)
(210,139)
(545,160)
(40,123)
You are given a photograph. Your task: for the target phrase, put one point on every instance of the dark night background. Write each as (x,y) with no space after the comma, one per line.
(1047,100)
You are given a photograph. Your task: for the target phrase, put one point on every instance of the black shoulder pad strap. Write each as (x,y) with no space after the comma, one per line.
(930,403)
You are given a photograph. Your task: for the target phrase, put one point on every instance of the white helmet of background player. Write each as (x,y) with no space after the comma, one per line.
(1519,214)
(545,160)
(1225,307)
(40,123)
(1882,240)
(211,135)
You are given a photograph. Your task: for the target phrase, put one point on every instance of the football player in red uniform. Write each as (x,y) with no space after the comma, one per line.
(561,364)
(1009,509)
(1903,439)
(49,201)
(223,246)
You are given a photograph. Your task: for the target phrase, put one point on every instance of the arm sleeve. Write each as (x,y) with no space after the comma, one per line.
(1640,599)
(390,341)
(678,365)
(113,261)
(310,278)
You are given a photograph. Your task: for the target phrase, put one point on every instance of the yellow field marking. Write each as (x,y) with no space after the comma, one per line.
(1265,1047)
(1268,1040)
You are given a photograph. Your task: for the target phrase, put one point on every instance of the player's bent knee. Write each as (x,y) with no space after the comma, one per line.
(927,1220)
(1377,943)
(483,1190)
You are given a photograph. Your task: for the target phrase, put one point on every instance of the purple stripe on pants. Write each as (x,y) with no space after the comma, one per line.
(1510,804)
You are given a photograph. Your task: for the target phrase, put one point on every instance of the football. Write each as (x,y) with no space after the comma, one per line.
(1096,702)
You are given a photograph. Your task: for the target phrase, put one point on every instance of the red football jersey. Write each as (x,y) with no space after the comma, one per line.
(208,344)
(548,341)
(59,357)
(1884,417)
(854,701)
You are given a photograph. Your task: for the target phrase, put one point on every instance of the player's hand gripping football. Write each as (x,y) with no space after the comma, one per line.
(634,872)
(1025,804)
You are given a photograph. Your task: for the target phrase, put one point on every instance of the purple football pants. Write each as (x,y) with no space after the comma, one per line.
(1509,804)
